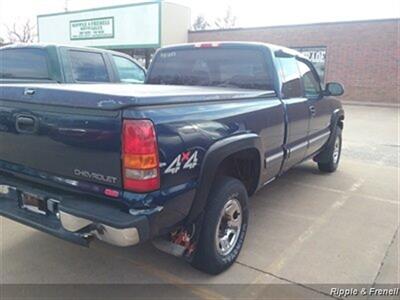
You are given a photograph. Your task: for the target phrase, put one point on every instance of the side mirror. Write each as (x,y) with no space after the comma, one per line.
(334,89)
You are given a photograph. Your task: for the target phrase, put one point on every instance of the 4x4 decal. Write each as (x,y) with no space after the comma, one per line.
(184,161)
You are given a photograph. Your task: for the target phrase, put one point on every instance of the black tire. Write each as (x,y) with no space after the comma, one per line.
(208,256)
(333,151)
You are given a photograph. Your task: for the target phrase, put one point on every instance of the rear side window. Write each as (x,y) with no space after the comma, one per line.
(88,67)
(291,77)
(24,63)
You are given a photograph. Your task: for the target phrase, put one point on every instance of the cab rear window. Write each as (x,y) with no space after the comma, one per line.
(24,63)
(219,67)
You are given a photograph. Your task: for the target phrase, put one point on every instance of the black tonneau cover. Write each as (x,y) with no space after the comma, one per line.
(117,96)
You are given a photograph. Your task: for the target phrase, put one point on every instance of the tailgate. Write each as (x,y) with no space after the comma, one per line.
(71,142)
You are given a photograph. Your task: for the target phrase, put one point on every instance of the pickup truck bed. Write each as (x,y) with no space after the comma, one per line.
(69,136)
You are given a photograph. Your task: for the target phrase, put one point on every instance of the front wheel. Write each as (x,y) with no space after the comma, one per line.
(224,227)
(334,151)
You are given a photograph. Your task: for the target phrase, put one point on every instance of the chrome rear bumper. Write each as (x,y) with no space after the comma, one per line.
(119,237)
(76,218)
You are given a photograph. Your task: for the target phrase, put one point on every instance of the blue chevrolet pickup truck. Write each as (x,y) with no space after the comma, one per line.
(173,160)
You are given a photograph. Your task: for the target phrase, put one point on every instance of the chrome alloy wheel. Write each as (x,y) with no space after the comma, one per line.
(336,150)
(229,227)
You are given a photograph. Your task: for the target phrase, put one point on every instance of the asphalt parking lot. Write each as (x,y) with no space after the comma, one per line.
(306,228)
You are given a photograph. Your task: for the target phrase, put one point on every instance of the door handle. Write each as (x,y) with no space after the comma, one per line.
(29,92)
(26,124)
(313,111)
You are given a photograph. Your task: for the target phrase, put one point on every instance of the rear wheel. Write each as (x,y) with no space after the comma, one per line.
(334,151)
(224,227)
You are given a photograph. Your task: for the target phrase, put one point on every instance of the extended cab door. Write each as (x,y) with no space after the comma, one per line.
(319,110)
(297,110)
(86,66)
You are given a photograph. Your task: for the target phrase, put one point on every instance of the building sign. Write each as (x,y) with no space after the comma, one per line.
(317,55)
(100,28)
(144,25)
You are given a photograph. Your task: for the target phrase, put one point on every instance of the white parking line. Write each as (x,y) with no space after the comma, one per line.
(354,189)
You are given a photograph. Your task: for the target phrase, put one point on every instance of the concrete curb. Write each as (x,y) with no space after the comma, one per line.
(376,104)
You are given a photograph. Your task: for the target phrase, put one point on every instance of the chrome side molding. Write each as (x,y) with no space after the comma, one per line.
(320,137)
(274,157)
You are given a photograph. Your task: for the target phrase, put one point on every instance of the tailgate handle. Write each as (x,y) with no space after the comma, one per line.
(26,124)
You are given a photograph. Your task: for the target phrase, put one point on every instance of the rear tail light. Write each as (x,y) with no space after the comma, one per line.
(140,156)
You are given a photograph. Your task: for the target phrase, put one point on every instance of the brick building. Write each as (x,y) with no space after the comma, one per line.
(363,55)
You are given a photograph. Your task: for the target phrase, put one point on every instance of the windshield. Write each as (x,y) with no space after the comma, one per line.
(221,67)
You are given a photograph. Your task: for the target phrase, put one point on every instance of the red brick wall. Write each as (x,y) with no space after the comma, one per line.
(363,55)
